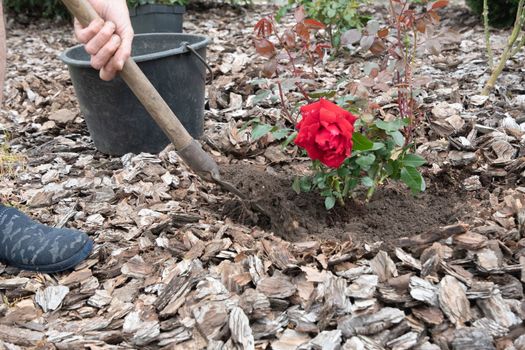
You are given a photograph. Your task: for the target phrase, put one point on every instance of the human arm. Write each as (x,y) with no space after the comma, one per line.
(108,40)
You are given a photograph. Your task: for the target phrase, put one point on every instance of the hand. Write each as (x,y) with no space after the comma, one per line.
(107,40)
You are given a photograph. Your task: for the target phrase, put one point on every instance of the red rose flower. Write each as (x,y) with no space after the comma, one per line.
(325,132)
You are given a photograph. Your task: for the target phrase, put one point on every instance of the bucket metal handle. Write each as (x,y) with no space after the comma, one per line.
(186,46)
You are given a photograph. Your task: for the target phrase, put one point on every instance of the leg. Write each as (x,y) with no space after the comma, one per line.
(2,53)
(29,245)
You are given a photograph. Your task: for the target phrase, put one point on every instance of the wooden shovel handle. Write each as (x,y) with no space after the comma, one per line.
(139,84)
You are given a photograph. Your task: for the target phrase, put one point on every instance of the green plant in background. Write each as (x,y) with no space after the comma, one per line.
(37,8)
(337,15)
(55,8)
(502,13)
(135,3)
(515,43)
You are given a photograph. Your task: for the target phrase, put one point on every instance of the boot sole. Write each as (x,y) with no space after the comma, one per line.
(63,265)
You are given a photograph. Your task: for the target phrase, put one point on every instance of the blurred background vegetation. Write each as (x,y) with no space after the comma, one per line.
(338,15)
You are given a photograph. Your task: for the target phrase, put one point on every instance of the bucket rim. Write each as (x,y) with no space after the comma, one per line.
(203,42)
(148,9)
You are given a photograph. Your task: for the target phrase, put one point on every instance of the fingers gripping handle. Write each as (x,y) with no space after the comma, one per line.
(82,11)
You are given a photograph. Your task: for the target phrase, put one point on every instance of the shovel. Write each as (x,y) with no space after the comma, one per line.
(187,148)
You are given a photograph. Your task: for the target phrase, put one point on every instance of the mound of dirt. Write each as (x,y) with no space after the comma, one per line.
(392,213)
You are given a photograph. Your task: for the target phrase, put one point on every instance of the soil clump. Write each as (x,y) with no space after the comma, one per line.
(392,213)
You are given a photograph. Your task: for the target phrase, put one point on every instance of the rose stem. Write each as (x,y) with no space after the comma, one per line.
(377,179)
(302,90)
(283,103)
(292,60)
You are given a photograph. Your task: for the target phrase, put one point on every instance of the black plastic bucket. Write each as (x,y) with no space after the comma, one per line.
(117,121)
(155,18)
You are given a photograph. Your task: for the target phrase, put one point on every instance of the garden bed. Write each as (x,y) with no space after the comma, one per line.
(391,214)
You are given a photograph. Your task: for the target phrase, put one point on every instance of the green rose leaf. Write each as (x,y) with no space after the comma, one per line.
(325,94)
(361,142)
(366,161)
(327,192)
(260,130)
(261,96)
(343,171)
(413,160)
(343,100)
(392,168)
(305,184)
(280,134)
(413,179)
(391,126)
(367,181)
(377,146)
(329,202)
(289,139)
(398,137)
(296,186)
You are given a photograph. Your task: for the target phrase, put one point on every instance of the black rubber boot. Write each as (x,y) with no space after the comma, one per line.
(29,245)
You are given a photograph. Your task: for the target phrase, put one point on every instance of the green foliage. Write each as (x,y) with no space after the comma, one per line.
(37,8)
(135,3)
(262,129)
(374,160)
(377,156)
(241,2)
(337,15)
(502,13)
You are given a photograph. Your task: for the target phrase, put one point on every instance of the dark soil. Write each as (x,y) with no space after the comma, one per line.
(392,213)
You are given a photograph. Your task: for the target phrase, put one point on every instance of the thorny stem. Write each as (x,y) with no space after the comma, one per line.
(337,184)
(490,53)
(283,102)
(519,46)
(331,36)
(404,84)
(414,49)
(507,53)
(377,181)
(311,60)
(395,15)
(292,59)
(370,192)
(303,92)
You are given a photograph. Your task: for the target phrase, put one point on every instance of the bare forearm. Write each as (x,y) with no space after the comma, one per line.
(2,52)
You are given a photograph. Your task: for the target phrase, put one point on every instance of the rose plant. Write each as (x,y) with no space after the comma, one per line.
(350,145)
(344,158)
